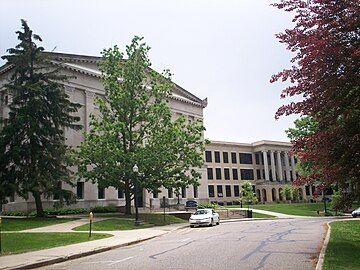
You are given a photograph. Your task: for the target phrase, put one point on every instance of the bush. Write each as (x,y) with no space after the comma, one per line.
(104,209)
(208,205)
(63,211)
(15,213)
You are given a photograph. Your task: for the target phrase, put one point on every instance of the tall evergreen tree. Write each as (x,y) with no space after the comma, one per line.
(33,140)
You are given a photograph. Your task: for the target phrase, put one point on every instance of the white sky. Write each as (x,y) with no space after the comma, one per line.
(223,50)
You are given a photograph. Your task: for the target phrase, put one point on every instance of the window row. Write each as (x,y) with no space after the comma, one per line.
(220,191)
(80,191)
(245,174)
(244,158)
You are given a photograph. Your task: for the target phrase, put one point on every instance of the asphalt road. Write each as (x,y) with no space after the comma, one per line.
(268,244)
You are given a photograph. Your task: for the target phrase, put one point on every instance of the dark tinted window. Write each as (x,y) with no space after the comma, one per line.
(218,173)
(120,194)
(183,192)
(228,191)
(245,158)
(217,157)
(208,157)
(220,191)
(210,173)
(225,157)
(247,174)
(258,174)
(80,190)
(195,192)
(257,158)
(227,174)
(235,174)
(236,191)
(101,193)
(211,191)
(170,193)
(233,158)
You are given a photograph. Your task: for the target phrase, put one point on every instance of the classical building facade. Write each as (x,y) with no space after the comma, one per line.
(268,165)
(82,87)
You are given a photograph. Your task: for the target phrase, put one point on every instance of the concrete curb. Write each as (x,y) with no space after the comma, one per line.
(46,262)
(321,258)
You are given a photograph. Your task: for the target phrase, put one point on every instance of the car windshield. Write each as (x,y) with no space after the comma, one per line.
(201,212)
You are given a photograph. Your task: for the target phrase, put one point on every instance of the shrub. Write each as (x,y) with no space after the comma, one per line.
(208,205)
(104,209)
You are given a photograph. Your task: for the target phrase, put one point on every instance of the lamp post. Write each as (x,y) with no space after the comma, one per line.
(136,170)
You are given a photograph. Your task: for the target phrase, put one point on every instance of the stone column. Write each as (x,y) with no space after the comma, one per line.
(89,108)
(287,165)
(279,166)
(266,166)
(273,170)
(293,167)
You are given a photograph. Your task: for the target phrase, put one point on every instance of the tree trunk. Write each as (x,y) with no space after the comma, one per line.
(38,203)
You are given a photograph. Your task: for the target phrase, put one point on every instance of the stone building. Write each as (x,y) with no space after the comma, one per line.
(83,86)
(268,165)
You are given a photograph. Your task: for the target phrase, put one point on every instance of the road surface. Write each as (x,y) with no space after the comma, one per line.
(267,244)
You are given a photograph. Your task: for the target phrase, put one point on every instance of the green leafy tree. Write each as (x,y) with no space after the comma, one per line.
(135,126)
(287,192)
(248,195)
(33,143)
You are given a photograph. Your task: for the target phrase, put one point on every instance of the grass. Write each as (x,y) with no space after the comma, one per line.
(19,224)
(127,223)
(343,250)
(259,215)
(298,209)
(23,242)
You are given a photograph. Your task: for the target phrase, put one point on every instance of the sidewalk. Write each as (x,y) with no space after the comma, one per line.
(44,257)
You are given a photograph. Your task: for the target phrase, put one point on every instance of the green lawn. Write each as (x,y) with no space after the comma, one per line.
(343,250)
(127,223)
(19,224)
(259,215)
(23,242)
(298,209)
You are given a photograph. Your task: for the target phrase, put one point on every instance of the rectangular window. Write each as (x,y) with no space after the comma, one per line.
(225,157)
(12,197)
(80,190)
(257,158)
(258,174)
(101,193)
(233,158)
(217,157)
(236,191)
(195,192)
(208,157)
(170,193)
(120,193)
(235,174)
(211,191)
(155,194)
(183,192)
(58,190)
(210,173)
(247,174)
(307,190)
(227,174)
(219,191)
(218,173)
(245,158)
(228,191)
(285,176)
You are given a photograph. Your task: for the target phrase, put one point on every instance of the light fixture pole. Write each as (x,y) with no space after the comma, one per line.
(136,170)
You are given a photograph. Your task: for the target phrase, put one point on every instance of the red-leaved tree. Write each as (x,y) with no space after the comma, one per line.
(325,72)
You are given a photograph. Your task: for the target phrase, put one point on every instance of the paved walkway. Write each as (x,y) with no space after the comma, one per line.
(59,254)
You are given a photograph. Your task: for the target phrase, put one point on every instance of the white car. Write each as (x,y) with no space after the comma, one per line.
(356,212)
(204,217)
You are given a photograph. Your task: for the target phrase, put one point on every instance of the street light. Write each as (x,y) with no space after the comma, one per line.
(136,170)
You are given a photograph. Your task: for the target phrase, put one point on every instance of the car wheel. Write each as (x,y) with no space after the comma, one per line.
(218,222)
(211,223)
(192,226)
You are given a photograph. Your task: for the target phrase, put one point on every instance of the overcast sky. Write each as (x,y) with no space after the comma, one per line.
(223,50)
